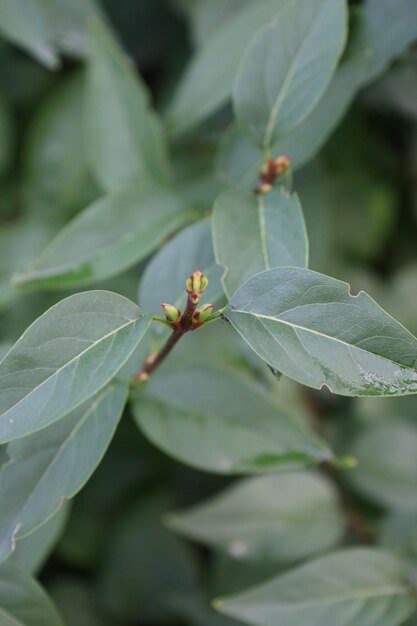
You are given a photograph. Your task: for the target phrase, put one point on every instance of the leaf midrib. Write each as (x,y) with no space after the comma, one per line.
(327,337)
(279,100)
(60,369)
(363,593)
(91,409)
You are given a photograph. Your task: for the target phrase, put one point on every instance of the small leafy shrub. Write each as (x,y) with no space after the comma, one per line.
(170,159)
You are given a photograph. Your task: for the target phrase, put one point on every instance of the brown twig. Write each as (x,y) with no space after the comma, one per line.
(156,358)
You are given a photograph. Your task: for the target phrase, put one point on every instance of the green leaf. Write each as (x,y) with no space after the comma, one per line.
(108,237)
(124,139)
(387,463)
(56,179)
(312,329)
(65,357)
(32,552)
(307,139)
(269,518)
(25,23)
(213,415)
(207,81)
(68,22)
(19,241)
(207,16)
(240,160)
(288,66)
(52,465)
(254,232)
(353,587)
(22,601)
(133,581)
(164,277)
(381,27)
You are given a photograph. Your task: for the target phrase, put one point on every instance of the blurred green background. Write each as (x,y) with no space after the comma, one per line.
(111,561)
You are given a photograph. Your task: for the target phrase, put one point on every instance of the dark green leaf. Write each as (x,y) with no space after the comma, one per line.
(165,276)
(353,587)
(133,582)
(53,464)
(56,178)
(218,402)
(124,138)
(311,328)
(254,232)
(64,358)
(270,518)
(111,235)
(288,66)
(207,81)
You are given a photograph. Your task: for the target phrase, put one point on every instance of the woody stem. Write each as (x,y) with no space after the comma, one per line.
(154,359)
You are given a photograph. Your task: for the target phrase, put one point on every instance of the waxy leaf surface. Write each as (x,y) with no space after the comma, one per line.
(312,329)
(208,78)
(217,401)
(64,358)
(353,587)
(108,237)
(46,468)
(252,233)
(288,66)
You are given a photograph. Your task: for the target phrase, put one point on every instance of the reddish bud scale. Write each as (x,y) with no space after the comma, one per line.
(270,171)
(201,315)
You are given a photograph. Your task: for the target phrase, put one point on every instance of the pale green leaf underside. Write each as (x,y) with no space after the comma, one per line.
(353,587)
(288,67)
(283,517)
(252,233)
(52,465)
(108,237)
(312,329)
(125,141)
(22,601)
(214,401)
(65,357)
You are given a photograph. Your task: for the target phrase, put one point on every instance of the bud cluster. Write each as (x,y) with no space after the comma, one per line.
(192,317)
(270,171)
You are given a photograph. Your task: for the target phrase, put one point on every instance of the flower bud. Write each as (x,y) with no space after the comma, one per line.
(195,285)
(201,315)
(279,165)
(171,312)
